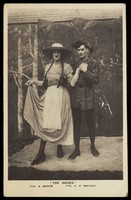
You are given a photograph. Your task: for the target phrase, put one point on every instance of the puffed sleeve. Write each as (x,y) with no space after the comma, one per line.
(68,72)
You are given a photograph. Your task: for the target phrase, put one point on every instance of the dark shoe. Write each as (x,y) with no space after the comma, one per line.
(94,152)
(74,155)
(60,153)
(39,159)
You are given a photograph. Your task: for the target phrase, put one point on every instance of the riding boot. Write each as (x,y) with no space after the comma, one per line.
(60,153)
(76,152)
(94,151)
(91,125)
(40,157)
(77,124)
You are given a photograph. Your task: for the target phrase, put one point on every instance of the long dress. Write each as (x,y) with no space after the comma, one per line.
(50,115)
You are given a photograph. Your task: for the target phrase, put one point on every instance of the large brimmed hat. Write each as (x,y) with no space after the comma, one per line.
(66,53)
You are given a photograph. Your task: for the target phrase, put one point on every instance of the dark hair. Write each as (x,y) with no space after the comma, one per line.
(78,43)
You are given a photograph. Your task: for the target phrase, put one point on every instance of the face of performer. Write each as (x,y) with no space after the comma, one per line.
(83,51)
(56,55)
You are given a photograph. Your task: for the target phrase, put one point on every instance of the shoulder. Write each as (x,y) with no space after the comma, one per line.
(94,61)
(76,64)
(67,67)
(47,66)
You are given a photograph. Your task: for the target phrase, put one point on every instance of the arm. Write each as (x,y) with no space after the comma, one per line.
(37,82)
(33,81)
(72,79)
(75,78)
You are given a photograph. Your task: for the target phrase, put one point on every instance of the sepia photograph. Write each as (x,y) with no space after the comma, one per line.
(65,100)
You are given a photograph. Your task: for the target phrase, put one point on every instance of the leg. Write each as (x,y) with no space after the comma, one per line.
(77,124)
(40,157)
(91,126)
(60,153)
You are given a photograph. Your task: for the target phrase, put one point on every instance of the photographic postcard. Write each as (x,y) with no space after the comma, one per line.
(28,29)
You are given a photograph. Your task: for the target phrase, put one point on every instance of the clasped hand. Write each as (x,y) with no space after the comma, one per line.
(83,67)
(29,82)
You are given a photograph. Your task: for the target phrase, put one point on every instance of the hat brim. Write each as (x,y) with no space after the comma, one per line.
(66,53)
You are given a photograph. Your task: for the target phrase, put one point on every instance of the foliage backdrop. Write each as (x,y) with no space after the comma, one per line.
(104,35)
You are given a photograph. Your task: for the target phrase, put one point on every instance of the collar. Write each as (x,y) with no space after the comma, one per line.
(87,60)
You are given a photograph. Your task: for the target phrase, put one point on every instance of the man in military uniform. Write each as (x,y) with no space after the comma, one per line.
(83,97)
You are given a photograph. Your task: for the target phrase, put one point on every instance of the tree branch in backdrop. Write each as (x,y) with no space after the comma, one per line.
(30,44)
(27,65)
(19,73)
